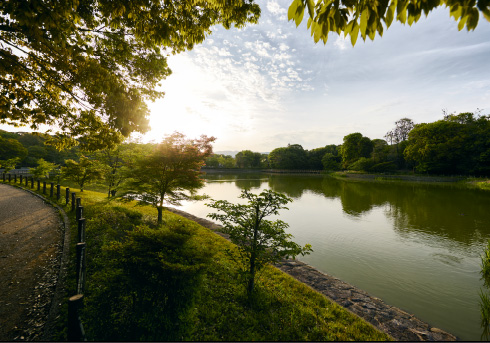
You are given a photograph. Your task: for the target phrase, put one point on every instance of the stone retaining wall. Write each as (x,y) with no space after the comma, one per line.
(399,324)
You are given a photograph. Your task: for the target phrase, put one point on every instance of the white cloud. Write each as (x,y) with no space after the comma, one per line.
(276,9)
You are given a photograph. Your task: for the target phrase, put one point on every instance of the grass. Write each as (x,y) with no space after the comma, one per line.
(283,309)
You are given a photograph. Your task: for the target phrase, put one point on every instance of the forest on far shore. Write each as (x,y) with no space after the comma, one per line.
(458,144)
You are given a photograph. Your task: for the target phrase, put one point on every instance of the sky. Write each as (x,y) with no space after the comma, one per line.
(269,85)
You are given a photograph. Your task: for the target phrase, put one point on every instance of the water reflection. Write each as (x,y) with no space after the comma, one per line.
(417,246)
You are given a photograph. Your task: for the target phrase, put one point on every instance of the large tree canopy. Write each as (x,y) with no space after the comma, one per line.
(366,17)
(87,66)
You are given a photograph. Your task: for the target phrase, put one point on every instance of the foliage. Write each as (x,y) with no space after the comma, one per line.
(143,282)
(260,241)
(354,147)
(248,159)
(367,17)
(291,157)
(331,162)
(362,164)
(88,66)
(43,168)
(11,148)
(83,172)
(169,171)
(458,144)
(484,296)
(9,164)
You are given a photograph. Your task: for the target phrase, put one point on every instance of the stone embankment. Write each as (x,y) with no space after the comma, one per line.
(399,324)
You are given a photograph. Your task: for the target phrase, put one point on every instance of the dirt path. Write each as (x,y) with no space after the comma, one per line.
(30,246)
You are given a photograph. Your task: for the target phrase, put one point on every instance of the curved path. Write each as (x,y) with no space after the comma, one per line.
(30,250)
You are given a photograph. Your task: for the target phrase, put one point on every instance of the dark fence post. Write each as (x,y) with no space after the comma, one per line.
(3,176)
(15,178)
(32,182)
(81,258)
(75,327)
(20,179)
(79,213)
(67,190)
(38,184)
(58,192)
(10,177)
(44,187)
(51,191)
(81,230)
(73,195)
(26,180)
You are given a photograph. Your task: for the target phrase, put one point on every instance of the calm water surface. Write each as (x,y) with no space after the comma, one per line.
(416,246)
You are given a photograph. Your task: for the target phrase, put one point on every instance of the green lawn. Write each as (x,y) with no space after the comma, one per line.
(218,309)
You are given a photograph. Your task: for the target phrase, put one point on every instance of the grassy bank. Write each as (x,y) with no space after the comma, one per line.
(200,296)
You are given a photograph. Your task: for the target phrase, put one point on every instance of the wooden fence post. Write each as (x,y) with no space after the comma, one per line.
(38,184)
(73,195)
(10,177)
(81,266)
(51,191)
(15,178)
(44,187)
(20,179)
(26,180)
(67,196)
(32,182)
(81,230)
(75,327)
(58,192)
(79,213)
(3,177)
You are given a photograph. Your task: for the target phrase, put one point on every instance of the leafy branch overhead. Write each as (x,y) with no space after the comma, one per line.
(366,17)
(89,66)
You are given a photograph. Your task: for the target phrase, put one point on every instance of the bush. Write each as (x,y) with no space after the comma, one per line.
(362,164)
(384,167)
(147,286)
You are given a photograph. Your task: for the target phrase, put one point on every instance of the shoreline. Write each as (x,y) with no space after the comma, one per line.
(397,323)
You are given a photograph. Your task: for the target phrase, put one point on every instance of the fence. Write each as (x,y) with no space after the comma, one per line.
(75,303)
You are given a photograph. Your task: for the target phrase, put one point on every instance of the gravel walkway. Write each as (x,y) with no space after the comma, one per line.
(31,238)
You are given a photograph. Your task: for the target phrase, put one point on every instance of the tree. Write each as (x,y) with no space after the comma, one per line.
(10,148)
(248,159)
(259,241)
(291,157)
(84,171)
(88,66)
(484,296)
(169,171)
(367,17)
(354,147)
(43,168)
(9,164)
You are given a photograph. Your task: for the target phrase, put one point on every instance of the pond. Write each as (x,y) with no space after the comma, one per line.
(416,246)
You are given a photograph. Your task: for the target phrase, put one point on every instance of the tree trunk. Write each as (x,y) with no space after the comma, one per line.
(160,217)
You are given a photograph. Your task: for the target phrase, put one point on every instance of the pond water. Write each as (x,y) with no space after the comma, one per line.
(416,246)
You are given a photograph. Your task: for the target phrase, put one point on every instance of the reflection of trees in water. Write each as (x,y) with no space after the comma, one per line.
(455,214)
(295,185)
(358,198)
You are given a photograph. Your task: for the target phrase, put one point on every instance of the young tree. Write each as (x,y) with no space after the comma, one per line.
(42,169)
(169,171)
(484,296)
(9,164)
(259,241)
(84,171)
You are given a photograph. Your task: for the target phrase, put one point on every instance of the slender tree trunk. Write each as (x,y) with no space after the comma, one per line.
(160,216)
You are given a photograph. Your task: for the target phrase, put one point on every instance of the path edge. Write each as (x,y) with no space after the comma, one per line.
(57,298)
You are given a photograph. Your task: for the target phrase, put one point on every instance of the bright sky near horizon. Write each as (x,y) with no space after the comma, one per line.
(267,85)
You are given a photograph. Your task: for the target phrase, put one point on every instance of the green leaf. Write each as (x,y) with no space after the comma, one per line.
(354,33)
(389,14)
(292,10)
(364,21)
(461,23)
(300,12)
(311,8)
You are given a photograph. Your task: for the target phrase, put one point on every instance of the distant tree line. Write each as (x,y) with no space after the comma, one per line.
(456,144)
